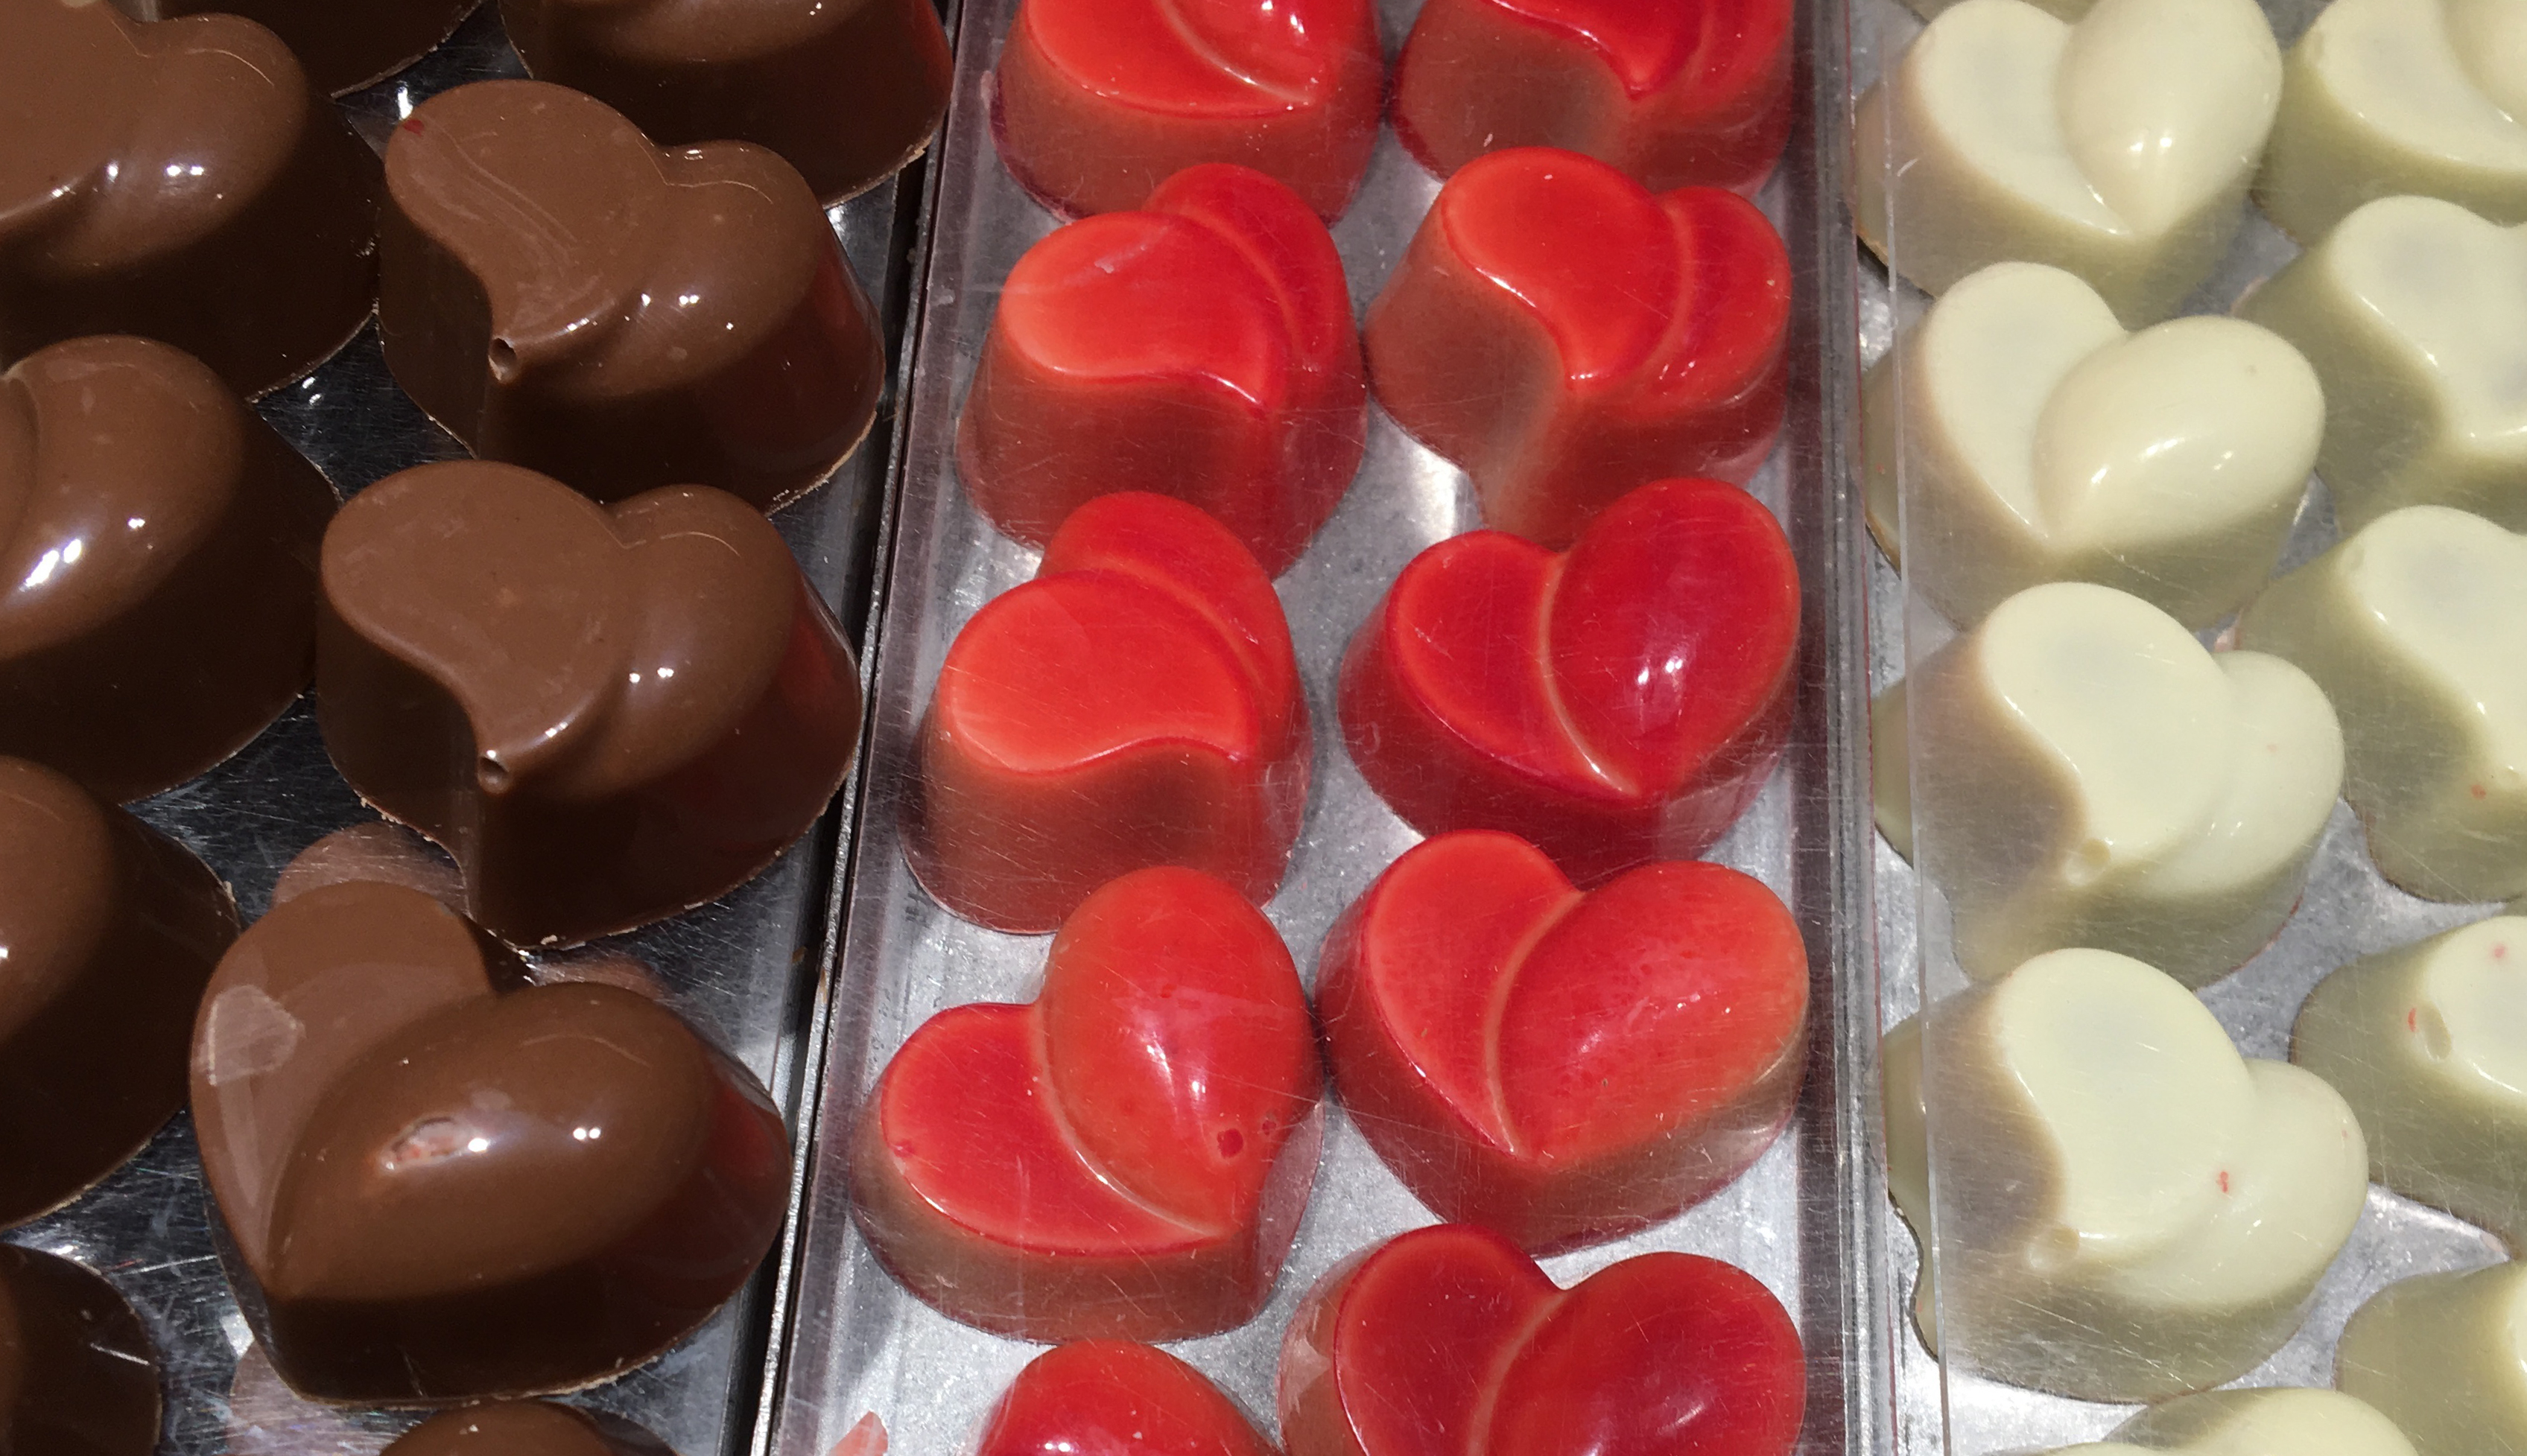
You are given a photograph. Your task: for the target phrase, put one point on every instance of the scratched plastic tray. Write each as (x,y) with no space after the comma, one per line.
(1805,1220)
(745,970)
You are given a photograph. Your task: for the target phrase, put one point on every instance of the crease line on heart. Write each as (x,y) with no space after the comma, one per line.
(1495,1078)
(1551,685)
(1478,1430)
(1039,1053)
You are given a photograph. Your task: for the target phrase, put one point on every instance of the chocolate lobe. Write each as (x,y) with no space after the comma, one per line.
(77,1375)
(180,180)
(527,1429)
(564,296)
(157,565)
(846,90)
(343,46)
(108,933)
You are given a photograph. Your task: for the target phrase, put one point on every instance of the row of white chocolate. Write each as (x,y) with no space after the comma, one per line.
(2118,138)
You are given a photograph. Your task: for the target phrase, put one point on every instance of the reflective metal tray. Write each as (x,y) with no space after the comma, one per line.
(1806,1219)
(747,969)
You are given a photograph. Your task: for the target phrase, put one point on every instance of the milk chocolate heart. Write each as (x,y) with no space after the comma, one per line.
(1562,1068)
(1135,704)
(344,47)
(158,544)
(1201,348)
(1621,702)
(1565,335)
(1448,1341)
(606,714)
(76,1374)
(846,92)
(441,1183)
(563,295)
(1097,101)
(108,932)
(1115,1398)
(1125,1157)
(1673,95)
(180,180)
(526,1428)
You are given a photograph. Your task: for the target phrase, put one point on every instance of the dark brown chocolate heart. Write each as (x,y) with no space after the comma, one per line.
(157,565)
(179,179)
(527,1428)
(440,1182)
(563,295)
(846,90)
(108,933)
(77,1375)
(606,714)
(343,46)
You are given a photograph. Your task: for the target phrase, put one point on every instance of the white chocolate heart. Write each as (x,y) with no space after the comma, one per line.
(2416,628)
(2429,1045)
(2283,1422)
(2383,98)
(2090,775)
(2118,147)
(2414,313)
(2445,1357)
(2129,1208)
(2043,443)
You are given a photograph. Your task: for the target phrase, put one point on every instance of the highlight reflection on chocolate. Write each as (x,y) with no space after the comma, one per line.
(606,714)
(108,933)
(440,1182)
(157,565)
(527,1429)
(564,296)
(76,1374)
(179,179)
(344,45)
(846,90)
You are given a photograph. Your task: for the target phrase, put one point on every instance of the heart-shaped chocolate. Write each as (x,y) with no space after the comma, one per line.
(1136,704)
(527,1428)
(563,295)
(2043,443)
(1617,703)
(2414,313)
(1562,1068)
(158,542)
(846,92)
(440,1182)
(1565,335)
(1673,95)
(344,47)
(108,933)
(1448,1341)
(1095,102)
(2117,146)
(179,179)
(606,714)
(1201,348)
(1116,1398)
(77,1375)
(1125,1157)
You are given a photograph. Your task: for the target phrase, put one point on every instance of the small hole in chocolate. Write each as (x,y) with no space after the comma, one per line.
(504,360)
(493,774)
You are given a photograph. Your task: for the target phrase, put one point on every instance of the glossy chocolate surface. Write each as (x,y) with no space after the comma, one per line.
(77,1375)
(846,90)
(344,44)
(527,1428)
(564,296)
(157,565)
(108,932)
(179,179)
(441,1182)
(606,714)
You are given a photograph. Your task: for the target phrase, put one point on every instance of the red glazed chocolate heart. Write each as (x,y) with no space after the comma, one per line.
(1448,1341)
(1675,94)
(1097,101)
(1135,704)
(563,295)
(1125,1157)
(606,714)
(1115,1398)
(1618,703)
(442,1183)
(1565,335)
(1559,1067)
(1201,348)
(180,181)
